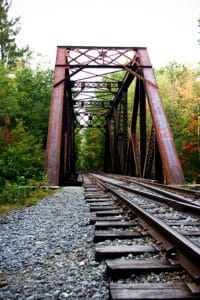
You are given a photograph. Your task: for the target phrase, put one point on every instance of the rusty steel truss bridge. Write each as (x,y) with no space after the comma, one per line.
(100,83)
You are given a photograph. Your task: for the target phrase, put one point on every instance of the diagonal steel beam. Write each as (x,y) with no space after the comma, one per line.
(169,157)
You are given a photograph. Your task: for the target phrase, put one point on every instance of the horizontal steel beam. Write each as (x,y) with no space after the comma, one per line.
(95,84)
(100,66)
(103,66)
(102,47)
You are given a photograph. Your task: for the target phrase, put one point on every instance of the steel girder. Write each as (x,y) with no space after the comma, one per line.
(84,90)
(152,156)
(55,122)
(60,141)
(164,140)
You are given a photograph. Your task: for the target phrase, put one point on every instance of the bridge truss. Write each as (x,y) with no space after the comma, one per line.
(116,88)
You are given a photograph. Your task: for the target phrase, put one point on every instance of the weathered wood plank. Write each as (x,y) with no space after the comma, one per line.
(108,218)
(146,291)
(96,195)
(103,252)
(112,212)
(189,232)
(100,235)
(99,200)
(90,190)
(104,203)
(178,223)
(90,185)
(124,268)
(102,208)
(119,224)
(94,219)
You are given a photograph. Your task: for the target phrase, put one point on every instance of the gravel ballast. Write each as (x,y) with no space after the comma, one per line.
(47,251)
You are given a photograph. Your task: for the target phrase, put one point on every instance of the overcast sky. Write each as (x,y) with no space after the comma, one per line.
(168,28)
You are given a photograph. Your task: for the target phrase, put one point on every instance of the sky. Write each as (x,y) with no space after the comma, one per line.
(168,28)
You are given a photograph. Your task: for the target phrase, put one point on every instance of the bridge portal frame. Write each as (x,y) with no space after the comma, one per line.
(121,155)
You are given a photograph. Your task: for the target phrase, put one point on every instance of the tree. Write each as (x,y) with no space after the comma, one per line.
(8,97)
(191,150)
(24,110)
(89,147)
(23,159)
(9,29)
(34,95)
(180,90)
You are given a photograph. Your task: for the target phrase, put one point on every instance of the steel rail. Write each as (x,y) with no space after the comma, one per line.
(181,204)
(161,188)
(158,187)
(186,252)
(171,198)
(176,189)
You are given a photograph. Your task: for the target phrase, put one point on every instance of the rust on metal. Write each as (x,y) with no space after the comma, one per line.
(178,247)
(86,94)
(55,122)
(165,140)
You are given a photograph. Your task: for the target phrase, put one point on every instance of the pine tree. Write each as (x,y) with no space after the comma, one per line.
(9,29)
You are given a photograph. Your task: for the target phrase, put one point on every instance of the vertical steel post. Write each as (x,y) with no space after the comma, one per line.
(55,120)
(171,164)
(134,140)
(125,129)
(150,154)
(108,151)
(117,163)
(158,164)
(142,100)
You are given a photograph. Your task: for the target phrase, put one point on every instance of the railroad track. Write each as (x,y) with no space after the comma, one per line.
(174,192)
(150,241)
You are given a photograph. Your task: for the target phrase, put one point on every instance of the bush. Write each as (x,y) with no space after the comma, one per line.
(23,159)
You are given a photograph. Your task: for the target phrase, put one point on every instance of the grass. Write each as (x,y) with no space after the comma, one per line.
(32,199)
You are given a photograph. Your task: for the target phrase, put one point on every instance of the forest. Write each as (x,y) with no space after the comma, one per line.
(25,95)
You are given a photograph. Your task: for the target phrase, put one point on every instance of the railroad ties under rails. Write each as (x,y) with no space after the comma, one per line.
(138,266)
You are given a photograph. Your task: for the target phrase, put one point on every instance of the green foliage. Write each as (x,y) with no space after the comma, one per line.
(14,196)
(180,90)
(10,54)
(8,95)
(191,150)
(34,95)
(90,141)
(23,159)
(89,149)
(24,109)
